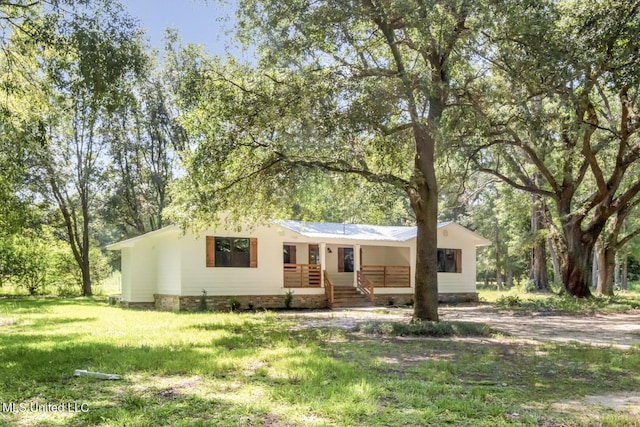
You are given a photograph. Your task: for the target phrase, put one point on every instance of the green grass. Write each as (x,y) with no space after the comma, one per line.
(238,369)
(513,299)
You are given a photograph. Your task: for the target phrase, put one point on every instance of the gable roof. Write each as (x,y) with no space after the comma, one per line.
(330,230)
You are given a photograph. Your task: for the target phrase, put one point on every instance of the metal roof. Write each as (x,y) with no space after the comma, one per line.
(332,230)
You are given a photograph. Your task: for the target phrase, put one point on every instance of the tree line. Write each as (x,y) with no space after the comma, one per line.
(515,118)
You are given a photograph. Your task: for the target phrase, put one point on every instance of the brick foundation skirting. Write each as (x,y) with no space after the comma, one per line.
(138,305)
(223,303)
(407,299)
(459,297)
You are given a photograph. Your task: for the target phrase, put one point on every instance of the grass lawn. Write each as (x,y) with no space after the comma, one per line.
(515,299)
(227,369)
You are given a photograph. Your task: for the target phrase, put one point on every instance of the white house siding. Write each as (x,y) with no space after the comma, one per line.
(302,252)
(380,255)
(125,268)
(143,268)
(453,237)
(169,263)
(266,279)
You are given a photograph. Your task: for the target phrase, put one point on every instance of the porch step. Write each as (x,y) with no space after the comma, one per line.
(344,297)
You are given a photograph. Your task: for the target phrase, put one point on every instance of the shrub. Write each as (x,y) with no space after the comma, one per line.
(203,301)
(288,299)
(509,301)
(235,304)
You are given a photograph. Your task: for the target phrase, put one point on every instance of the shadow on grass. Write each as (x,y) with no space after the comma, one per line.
(24,304)
(255,371)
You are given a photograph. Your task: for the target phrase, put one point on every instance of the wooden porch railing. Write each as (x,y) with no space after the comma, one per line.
(365,286)
(302,276)
(388,276)
(328,289)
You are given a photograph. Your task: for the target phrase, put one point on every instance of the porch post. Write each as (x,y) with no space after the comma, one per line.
(356,264)
(323,262)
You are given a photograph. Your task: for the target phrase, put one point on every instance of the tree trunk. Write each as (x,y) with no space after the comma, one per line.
(557,273)
(85,262)
(606,264)
(509,274)
(576,260)
(624,278)
(538,272)
(426,275)
(595,263)
(424,201)
(498,250)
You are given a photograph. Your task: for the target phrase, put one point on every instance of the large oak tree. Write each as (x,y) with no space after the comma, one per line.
(344,87)
(555,115)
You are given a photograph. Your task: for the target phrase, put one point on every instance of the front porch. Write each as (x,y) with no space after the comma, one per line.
(349,274)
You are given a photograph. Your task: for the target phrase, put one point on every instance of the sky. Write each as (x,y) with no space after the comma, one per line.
(207,22)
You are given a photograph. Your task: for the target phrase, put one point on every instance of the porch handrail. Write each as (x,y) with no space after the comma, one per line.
(395,276)
(328,288)
(302,276)
(365,286)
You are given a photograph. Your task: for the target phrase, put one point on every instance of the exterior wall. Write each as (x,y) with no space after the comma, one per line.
(266,279)
(126,273)
(302,252)
(454,238)
(138,305)
(170,269)
(223,303)
(168,253)
(143,271)
(331,258)
(381,255)
(167,302)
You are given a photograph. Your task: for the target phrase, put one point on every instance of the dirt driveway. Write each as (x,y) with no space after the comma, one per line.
(617,330)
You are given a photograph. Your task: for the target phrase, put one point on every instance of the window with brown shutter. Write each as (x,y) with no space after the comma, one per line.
(231,252)
(449,260)
(211,254)
(345,260)
(289,254)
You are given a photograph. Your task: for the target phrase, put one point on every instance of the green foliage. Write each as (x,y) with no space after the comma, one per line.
(40,263)
(551,115)
(288,299)
(509,301)
(203,301)
(234,304)
(242,369)
(569,305)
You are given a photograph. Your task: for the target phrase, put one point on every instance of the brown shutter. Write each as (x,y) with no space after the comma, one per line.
(458,260)
(211,251)
(253,252)
(292,254)
(341,259)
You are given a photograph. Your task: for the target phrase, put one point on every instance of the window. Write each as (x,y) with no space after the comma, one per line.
(314,254)
(345,260)
(289,253)
(232,252)
(449,260)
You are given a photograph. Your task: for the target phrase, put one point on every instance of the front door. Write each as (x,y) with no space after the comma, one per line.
(314,254)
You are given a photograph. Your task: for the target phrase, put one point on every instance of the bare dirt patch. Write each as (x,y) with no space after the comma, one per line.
(6,322)
(616,330)
(609,330)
